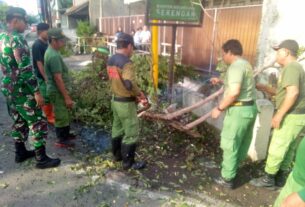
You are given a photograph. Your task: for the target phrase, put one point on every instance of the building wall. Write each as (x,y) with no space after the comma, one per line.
(78,2)
(202,45)
(197,49)
(95,12)
(112,8)
(281,20)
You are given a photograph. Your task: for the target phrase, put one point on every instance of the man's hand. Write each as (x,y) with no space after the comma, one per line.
(142,99)
(215,113)
(39,100)
(215,81)
(293,200)
(260,87)
(69,103)
(276,121)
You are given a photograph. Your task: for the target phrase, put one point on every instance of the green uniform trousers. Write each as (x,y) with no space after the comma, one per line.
(62,113)
(236,138)
(125,121)
(284,143)
(43,90)
(290,187)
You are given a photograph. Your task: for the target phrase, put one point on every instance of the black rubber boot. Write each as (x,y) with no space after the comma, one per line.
(281,177)
(68,134)
(128,155)
(266,181)
(21,153)
(43,161)
(223,182)
(62,137)
(116,148)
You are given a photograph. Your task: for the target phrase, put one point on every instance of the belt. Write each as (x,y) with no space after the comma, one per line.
(124,99)
(243,103)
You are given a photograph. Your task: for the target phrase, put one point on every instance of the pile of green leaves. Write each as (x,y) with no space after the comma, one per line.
(143,66)
(92,93)
(92,97)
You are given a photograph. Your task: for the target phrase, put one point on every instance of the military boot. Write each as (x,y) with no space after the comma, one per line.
(68,134)
(281,177)
(21,153)
(116,148)
(62,140)
(266,181)
(43,161)
(128,155)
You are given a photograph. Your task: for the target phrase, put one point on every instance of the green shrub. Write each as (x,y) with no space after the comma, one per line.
(92,97)
(84,29)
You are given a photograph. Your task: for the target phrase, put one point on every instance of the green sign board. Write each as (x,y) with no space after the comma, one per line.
(174,10)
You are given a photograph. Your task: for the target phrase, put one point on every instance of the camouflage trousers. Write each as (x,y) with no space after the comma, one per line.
(28,118)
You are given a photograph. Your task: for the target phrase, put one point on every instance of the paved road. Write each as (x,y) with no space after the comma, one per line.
(74,183)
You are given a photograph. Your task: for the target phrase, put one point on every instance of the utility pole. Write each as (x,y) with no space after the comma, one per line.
(45,11)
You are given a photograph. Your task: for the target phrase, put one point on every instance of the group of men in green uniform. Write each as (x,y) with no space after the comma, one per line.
(23,90)
(28,90)
(288,122)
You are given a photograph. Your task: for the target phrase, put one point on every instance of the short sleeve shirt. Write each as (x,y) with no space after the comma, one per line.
(241,72)
(291,75)
(38,50)
(54,64)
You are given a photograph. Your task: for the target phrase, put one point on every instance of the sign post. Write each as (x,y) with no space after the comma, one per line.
(173,13)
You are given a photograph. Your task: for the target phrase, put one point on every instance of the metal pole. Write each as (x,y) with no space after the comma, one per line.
(171,65)
(155,54)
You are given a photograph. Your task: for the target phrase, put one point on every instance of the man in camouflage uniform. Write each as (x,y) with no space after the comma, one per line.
(20,87)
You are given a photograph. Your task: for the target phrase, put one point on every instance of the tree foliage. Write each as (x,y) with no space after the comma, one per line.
(66,3)
(3,9)
(32,19)
(84,29)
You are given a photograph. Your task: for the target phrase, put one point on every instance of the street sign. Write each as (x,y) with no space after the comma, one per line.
(174,10)
(174,13)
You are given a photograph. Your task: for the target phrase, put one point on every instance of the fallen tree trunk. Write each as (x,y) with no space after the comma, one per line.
(185,110)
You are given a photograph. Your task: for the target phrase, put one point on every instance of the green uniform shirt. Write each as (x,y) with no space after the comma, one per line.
(53,63)
(240,72)
(299,168)
(16,66)
(292,75)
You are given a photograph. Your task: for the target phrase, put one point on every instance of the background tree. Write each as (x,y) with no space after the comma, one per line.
(3,9)
(32,19)
(65,3)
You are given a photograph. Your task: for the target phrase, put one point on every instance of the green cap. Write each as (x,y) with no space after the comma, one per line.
(56,33)
(291,45)
(13,12)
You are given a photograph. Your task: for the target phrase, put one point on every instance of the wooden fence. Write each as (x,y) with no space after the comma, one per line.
(201,46)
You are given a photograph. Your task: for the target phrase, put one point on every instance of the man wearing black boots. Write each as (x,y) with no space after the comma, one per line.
(20,88)
(58,87)
(125,128)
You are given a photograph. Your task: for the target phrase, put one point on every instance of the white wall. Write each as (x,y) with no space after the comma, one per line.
(282,19)
(78,2)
